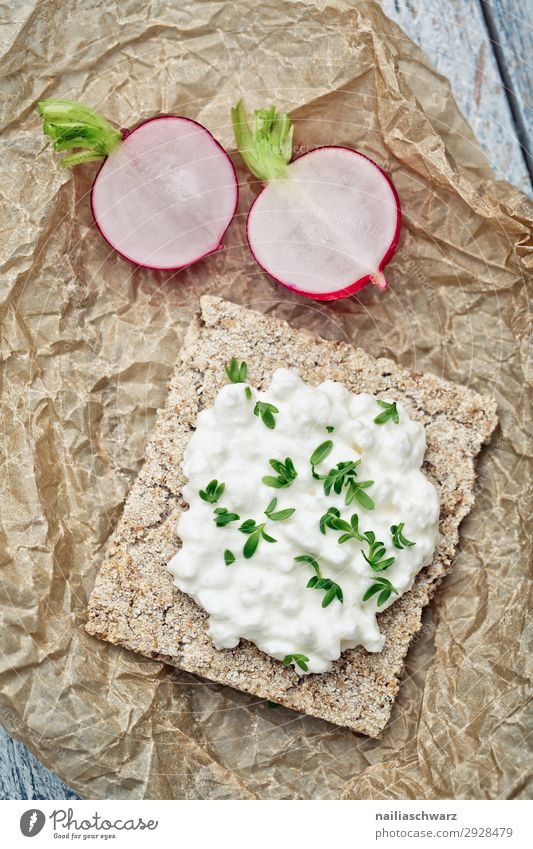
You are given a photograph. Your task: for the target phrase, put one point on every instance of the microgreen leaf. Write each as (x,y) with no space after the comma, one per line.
(327,519)
(266,412)
(223,517)
(212,492)
(248,393)
(308,558)
(355,492)
(390,412)
(330,428)
(383,587)
(255,533)
(299,659)
(250,546)
(229,557)
(286,474)
(376,553)
(320,453)
(350,529)
(236,373)
(336,478)
(267,537)
(398,538)
(279,515)
(317,582)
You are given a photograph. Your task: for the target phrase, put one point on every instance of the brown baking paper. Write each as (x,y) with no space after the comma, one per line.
(88,343)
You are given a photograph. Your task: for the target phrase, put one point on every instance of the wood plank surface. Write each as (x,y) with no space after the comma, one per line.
(510,25)
(454,36)
(23,777)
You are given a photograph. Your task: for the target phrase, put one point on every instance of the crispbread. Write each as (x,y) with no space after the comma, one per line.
(134,603)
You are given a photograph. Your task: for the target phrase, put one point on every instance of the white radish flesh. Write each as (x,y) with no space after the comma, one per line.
(166,196)
(328,226)
(325,224)
(166,192)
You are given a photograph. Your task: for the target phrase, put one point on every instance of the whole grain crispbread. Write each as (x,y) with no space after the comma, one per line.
(134,603)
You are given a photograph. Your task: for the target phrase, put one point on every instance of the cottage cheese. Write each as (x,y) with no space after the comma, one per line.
(265,599)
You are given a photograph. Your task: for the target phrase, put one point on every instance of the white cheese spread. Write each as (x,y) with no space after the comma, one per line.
(265,597)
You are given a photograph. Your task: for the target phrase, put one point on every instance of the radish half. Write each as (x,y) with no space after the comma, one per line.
(324,225)
(166,192)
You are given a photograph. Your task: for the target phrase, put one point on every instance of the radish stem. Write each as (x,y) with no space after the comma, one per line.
(72,125)
(267,148)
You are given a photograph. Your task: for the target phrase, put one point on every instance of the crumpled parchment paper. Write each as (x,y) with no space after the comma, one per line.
(88,342)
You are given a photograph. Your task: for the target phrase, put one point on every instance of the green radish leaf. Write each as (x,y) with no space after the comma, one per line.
(72,125)
(229,557)
(267,148)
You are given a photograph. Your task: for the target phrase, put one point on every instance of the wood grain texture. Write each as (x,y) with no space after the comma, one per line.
(454,36)
(23,777)
(510,25)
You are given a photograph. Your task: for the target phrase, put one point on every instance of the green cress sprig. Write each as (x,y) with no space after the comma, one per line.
(266,412)
(229,557)
(223,517)
(286,474)
(376,553)
(390,413)
(279,515)
(338,477)
(398,539)
(299,659)
(343,475)
(317,582)
(355,491)
(255,534)
(251,528)
(350,529)
(320,454)
(327,519)
(383,587)
(236,373)
(212,492)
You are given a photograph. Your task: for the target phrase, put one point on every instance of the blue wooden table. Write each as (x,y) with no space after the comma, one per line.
(484,49)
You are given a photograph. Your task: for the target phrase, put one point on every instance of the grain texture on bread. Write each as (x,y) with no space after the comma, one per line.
(134,603)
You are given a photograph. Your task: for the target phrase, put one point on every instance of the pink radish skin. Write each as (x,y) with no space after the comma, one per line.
(166,192)
(183,241)
(376,277)
(326,224)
